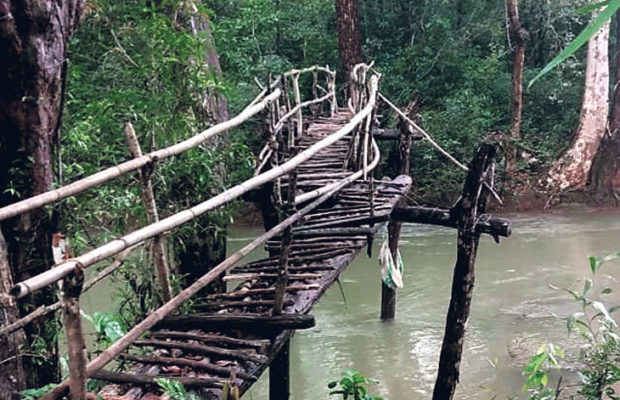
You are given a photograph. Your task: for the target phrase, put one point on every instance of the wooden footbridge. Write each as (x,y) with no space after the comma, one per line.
(320,160)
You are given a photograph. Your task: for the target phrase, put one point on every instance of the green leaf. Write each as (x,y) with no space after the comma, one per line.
(593,264)
(601,307)
(593,27)
(587,285)
(588,8)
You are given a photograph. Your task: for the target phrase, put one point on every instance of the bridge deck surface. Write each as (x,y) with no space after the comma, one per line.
(202,355)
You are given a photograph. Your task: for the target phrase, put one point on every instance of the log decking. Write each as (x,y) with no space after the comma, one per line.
(234,337)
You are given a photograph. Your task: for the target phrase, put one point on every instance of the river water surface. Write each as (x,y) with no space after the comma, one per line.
(512,304)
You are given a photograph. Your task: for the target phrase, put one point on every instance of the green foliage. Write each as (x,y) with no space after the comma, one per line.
(353,385)
(174,389)
(596,326)
(599,357)
(537,374)
(33,394)
(594,26)
(108,327)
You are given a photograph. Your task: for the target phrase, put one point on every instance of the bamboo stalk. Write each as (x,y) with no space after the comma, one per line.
(131,165)
(158,315)
(72,287)
(285,248)
(148,197)
(37,282)
(297,110)
(300,123)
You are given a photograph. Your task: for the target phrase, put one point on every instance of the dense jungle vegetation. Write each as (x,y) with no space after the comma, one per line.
(175,67)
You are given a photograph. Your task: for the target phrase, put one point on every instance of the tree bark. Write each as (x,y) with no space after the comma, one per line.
(519,36)
(572,170)
(12,374)
(606,169)
(215,103)
(34,36)
(467,210)
(349,38)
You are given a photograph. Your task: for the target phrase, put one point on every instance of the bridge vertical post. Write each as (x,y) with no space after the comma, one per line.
(280,374)
(300,123)
(76,344)
(388,295)
(158,249)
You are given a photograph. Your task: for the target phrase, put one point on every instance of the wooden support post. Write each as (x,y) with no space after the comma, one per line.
(315,92)
(285,247)
(159,250)
(472,202)
(287,97)
(72,288)
(300,122)
(331,87)
(388,295)
(279,374)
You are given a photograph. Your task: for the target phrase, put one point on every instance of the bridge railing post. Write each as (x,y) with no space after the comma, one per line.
(388,294)
(297,94)
(158,248)
(76,344)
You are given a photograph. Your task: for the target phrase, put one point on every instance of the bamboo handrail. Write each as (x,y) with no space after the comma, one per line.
(297,108)
(131,165)
(428,137)
(116,246)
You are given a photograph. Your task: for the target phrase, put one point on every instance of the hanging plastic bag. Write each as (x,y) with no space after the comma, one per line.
(391,274)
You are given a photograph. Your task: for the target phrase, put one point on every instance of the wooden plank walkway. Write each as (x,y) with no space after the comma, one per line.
(202,350)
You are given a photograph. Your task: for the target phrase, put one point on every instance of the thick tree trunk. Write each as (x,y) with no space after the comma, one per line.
(606,169)
(12,373)
(572,170)
(33,40)
(215,103)
(519,36)
(349,37)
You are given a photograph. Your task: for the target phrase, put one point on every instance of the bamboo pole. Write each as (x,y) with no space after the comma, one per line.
(132,165)
(72,287)
(285,248)
(158,315)
(300,123)
(116,246)
(148,197)
(297,109)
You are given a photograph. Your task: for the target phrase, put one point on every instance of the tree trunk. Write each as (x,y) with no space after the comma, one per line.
(215,104)
(606,169)
(572,170)
(519,36)
(34,36)
(349,38)
(12,374)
